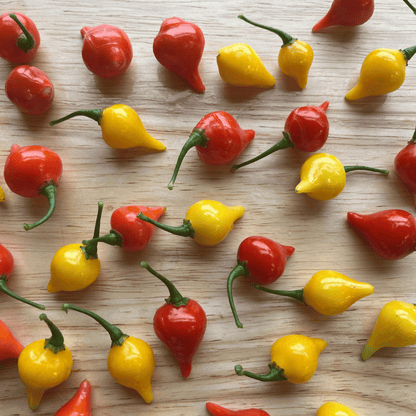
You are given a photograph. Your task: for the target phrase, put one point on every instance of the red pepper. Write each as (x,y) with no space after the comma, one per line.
(391,233)
(306,129)
(30,89)
(10,347)
(107,51)
(218,140)
(405,164)
(6,268)
(217,410)
(261,261)
(178,47)
(80,404)
(19,38)
(346,13)
(180,324)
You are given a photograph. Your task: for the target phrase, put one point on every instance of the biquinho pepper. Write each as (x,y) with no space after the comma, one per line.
(260,260)
(405,164)
(179,46)
(44,364)
(306,129)
(180,324)
(6,269)
(295,56)
(328,292)
(323,176)
(121,127)
(395,327)
(10,347)
(207,222)
(391,233)
(2,195)
(382,71)
(218,140)
(79,404)
(293,358)
(130,361)
(335,409)
(31,171)
(217,410)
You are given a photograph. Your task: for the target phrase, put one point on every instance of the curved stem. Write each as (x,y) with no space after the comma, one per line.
(7,291)
(275,374)
(113,238)
(197,138)
(351,168)
(116,334)
(93,114)
(410,5)
(184,230)
(27,41)
(56,342)
(413,139)
(50,192)
(90,249)
(294,294)
(409,52)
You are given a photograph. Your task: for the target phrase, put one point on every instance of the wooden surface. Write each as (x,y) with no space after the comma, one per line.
(368,132)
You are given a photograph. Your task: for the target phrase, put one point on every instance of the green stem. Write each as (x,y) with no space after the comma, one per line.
(25,42)
(113,238)
(409,52)
(93,114)
(175,298)
(285,143)
(56,342)
(275,374)
(294,294)
(116,334)
(184,230)
(90,249)
(197,138)
(413,139)
(287,39)
(410,5)
(351,168)
(50,192)
(7,291)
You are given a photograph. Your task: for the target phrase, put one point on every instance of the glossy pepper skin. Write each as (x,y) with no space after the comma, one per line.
(30,171)
(218,140)
(391,233)
(306,129)
(180,324)
(2,195)
(293,358)
(121,127)
(335,409)
(323,177)
(130,361)
(405,164)
(44,364)
(217,410)
(179,46)
(208,222)
(19,38)
(346,13)
(328,292)
(10,347)
(395,327)
(30,89)
(295,56)
(260,260)
(106,51)
(79,404)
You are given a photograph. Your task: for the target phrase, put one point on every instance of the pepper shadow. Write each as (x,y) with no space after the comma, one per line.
(341,34)
(173,81)
(235,94)
(121,85)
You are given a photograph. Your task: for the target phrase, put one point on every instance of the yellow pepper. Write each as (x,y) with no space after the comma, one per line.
(328,292)
(44,364)
(295,56)
(323,176)
(2,196)
(207,222)
(130,361)
(382,71)
(293,358)
(121,127)
(395,327)
(335,409)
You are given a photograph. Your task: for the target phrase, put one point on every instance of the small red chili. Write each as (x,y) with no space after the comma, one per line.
(80,404)
(30,171)
(217,410)
(405,164)
(107,50)
(30,89)
(218,140)
(10,347)
(178,47)
(391,233)
(180,324)
(306,129)
(261,261)
(19,38)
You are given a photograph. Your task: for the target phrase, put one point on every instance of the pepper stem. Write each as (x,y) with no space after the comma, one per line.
(93,114)
(197,138)
(351,168)
(410,5)
(285,143)
(26,41)
(240,269)
(113,238)
(7,291)
(50,192)
(287,39)
(275,373)
(116,334)
(184,230)
(56,342)
(294,294)
(408,52)
(175,298)
(413,139)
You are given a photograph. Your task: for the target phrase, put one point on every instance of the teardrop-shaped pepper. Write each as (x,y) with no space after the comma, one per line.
(217,410)
(395,327)
(207,222)
(130,361)
(121,127)
(2,195)
(335,409)
(293,358)
(10,347)
(79,404)
(328,292)
(405,163)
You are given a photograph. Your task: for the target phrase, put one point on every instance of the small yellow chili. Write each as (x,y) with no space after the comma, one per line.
(335,409)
